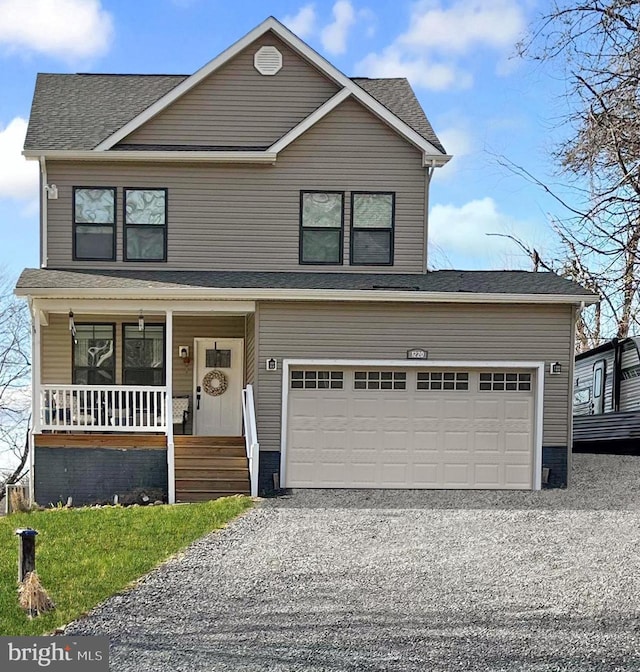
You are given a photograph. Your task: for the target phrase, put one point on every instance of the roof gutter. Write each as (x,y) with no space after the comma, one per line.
(282,294)
(144,155)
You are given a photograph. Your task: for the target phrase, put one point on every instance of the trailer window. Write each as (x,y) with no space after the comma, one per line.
(582,396)
(597,382)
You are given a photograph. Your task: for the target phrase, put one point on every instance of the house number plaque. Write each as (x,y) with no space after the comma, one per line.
(417,353)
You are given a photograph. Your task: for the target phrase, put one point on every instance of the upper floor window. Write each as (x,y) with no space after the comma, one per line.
(145,224)
(372,218)
(321,227)
(94,223)
(94,361)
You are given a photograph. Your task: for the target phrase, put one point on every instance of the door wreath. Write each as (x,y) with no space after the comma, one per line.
(215,383)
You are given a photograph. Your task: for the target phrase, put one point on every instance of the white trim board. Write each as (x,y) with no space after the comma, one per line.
(537,366)
(278,294)
(431,155)
(176,156)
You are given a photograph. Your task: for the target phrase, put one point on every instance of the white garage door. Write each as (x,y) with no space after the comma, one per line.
(415,428)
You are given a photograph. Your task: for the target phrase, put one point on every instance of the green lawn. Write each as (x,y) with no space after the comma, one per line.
(85,555)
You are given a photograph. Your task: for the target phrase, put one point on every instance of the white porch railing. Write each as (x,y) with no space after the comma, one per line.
(103,408)
(251,437)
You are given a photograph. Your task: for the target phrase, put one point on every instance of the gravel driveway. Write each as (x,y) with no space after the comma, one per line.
(370,580)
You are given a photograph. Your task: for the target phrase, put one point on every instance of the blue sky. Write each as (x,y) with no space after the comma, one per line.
(457,54)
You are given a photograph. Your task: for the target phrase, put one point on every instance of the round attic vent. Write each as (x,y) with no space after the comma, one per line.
(267,61)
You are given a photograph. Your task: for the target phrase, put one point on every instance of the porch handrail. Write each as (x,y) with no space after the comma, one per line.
(251,437)
(100,408)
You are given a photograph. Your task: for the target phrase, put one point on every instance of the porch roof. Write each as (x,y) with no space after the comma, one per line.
(448,285)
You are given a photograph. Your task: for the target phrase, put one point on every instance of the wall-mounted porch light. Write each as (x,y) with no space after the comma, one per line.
(141,322)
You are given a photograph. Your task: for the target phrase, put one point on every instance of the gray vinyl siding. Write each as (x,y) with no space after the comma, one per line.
(237,106)
(583,377)
(246,217)
(56,343)
(386,331)
(186,328)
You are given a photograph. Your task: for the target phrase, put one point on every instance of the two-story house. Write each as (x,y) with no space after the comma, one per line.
(233,290)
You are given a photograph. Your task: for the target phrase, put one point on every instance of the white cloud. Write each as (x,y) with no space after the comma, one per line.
(464,25)
(303,23)
(67,29)
(334,35)
(18,177)
(434,52)
(421,71)
(457,141)
(460,234)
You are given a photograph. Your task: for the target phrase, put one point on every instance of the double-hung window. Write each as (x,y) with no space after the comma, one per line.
(321,227)
(145,224)
(372,219)
(143,355)
(93,354)
(94,223)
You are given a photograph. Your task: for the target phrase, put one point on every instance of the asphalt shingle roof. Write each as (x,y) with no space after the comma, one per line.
(398,97)
(78,112)
(479,282)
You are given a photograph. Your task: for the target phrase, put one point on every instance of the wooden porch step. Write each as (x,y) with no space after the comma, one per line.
(212,485)
(212,471)
(209,467)
(195,496)
(213,452)
(207,441)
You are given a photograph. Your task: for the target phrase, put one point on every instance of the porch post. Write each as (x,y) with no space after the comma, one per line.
(36,410)
(171,474)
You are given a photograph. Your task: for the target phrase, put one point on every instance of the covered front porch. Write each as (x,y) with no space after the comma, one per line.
(131,375)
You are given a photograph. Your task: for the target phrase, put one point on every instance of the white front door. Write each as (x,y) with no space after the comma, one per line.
(218,370)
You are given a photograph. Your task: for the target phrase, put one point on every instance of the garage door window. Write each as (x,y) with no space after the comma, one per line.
(443,380)
(501,381)
(380,380)
(317,380)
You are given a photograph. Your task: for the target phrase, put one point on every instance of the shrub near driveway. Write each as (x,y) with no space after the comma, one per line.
(85,555)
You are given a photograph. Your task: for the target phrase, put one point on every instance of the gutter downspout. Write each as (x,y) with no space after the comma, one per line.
(44,255)
(425,243)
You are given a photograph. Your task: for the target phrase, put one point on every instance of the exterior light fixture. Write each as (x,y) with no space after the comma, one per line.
(72,326)
(141,322)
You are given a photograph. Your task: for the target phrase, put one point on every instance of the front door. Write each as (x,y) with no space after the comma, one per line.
(218,371)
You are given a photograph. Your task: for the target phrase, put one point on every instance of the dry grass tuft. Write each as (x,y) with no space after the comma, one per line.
(32,596)
(17,501)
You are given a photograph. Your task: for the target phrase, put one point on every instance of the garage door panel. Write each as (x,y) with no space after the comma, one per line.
(454,409)
(361,439)
(426,441)
(427,438)
(488,442)
(395,474)
(517,442)
(487,475)
(518,476)
(426,475)
(457,475)
(488,409)
(517,409)
(456,442)
(365,474)
(427,409)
